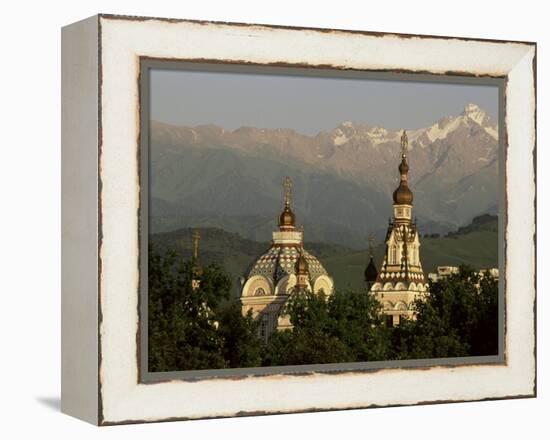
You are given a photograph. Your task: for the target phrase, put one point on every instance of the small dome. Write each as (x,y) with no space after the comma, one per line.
(287,217)
(370,272)
(403,167)
(302,268)
(403,195)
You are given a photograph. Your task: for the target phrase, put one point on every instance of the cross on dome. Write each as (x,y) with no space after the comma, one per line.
(404,144)
(287,186)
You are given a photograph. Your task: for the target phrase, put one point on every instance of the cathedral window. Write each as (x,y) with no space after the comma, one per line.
(393,255)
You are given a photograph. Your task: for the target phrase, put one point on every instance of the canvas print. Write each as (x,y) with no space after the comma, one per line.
(308,220)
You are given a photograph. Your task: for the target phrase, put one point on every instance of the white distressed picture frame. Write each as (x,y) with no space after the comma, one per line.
(101,202)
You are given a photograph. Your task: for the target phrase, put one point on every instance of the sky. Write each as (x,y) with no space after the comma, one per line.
(307,104)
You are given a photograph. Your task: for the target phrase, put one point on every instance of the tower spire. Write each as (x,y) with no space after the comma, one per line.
(287,188)
(403,195)
(404,144)
(371,245)
(287,219)
(302,266)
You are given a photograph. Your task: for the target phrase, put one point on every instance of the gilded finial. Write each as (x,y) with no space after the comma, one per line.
(287,187)
(371,244)
(404,144)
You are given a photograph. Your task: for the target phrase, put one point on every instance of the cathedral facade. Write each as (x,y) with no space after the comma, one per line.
(400,280)
(284,269)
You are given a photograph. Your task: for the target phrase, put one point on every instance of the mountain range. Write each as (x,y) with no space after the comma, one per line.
(206,176)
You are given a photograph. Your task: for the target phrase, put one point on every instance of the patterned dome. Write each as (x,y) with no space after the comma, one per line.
(280,261)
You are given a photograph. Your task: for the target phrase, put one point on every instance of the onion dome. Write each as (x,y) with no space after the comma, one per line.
(370,272)
(302,271)
(403,195)
(403,166)
(302,267)
(287,219)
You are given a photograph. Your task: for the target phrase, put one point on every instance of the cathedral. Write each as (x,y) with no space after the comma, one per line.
(287,268)
(284,269)
(400,279)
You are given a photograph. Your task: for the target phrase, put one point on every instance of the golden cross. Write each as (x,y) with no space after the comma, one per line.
(371,244)
(196,239)
(404,144)
(287,186)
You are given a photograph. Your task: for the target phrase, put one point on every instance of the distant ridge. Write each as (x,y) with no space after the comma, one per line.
(343,179)
(476,245)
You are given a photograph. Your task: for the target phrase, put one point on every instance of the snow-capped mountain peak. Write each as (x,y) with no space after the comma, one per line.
(348,131)
(476,114)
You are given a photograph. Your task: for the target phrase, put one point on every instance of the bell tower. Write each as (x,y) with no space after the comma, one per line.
(400,280)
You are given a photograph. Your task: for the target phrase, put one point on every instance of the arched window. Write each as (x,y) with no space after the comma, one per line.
(259,292)
(393,254)
(401,306)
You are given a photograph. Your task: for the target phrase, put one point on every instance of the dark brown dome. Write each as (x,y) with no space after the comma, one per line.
(287,218)
(403,195)
(370,272)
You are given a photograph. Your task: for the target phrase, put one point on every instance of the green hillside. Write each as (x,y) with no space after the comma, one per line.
(475,245)
(229,249)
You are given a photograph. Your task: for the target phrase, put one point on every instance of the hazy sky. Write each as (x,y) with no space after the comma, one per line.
(306,104)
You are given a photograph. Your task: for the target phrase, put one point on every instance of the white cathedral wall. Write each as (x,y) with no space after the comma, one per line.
(285,284)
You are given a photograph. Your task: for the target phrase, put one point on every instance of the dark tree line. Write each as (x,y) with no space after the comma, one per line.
(196,329)
(203,329)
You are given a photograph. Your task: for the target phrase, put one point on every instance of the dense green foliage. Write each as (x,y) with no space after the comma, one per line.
(346,327)
(201,329)
(458,318)
(195,329)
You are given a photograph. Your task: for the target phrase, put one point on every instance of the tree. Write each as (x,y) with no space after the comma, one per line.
(242,347)
(459,317)
(192,329)
(183,331)
(355,319)
(345,327)
(310,341)
(199,328)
